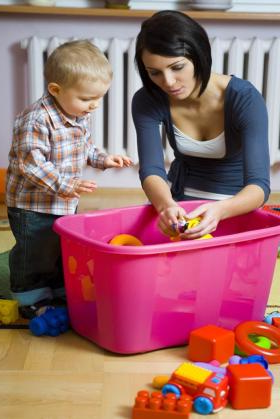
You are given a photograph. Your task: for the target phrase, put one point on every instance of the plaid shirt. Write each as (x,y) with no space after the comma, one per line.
(46,159)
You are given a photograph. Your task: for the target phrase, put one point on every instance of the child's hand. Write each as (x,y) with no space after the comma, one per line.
(84,186)
(117,161)
(81,186)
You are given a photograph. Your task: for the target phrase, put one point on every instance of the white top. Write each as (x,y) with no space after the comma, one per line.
(211,149)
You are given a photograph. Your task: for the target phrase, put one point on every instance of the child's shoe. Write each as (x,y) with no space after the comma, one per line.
(29,312)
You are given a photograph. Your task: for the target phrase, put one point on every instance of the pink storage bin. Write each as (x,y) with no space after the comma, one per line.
(135,299)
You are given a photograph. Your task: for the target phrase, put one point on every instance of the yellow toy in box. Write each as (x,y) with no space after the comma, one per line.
(185,224)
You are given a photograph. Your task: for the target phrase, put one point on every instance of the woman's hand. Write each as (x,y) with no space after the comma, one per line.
(210,213)
(168,219)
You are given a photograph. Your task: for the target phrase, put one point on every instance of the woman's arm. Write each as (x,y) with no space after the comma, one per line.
(158,192)
(148,115)
(249,118)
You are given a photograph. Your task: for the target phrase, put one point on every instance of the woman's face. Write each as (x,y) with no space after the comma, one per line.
(173,75)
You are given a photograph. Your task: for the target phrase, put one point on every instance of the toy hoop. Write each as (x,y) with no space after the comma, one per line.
(125,240)
(244,329)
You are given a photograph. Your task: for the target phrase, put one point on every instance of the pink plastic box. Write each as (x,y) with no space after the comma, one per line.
(131,299)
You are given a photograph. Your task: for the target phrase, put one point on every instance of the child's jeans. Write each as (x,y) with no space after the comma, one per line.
(35,260)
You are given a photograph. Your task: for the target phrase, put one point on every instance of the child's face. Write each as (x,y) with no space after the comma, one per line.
(82,99)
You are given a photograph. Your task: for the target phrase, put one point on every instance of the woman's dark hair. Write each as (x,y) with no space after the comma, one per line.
(173,34)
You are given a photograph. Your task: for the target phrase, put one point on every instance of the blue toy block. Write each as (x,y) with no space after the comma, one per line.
(52,322)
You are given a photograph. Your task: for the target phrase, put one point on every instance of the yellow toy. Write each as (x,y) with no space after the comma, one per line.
(184,224)
(8,311)
(159,381)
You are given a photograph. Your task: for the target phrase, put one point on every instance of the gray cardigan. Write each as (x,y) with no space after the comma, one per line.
(246,161)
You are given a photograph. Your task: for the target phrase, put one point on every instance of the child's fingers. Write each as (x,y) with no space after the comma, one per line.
(127,161)
(118,160)
(86,186)
(123,161)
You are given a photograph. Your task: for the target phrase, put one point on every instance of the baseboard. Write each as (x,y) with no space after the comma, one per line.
(274,198)
(112,198)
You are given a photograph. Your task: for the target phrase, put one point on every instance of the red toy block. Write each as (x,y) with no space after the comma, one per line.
(158,406)
(210,343)
(274,209)
(276,322)
(250,386)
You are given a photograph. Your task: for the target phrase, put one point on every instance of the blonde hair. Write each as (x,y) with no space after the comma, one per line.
(76,60)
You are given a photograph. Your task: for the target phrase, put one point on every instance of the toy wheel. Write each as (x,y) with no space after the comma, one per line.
(125,240)
(171,388)
(203,406)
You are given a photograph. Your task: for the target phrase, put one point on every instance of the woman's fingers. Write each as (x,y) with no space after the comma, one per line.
(168,219)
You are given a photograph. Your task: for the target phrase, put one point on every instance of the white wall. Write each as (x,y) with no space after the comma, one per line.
(13,98)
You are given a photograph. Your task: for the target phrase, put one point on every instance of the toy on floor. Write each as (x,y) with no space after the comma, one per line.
(273,209)
(125,240)
(246,382)
(161,406)
(250,386)
(245,344)
(159,381)
(8,311)
(276,322)
(211,342)
(261,341)
(52,322)
(213,366)
(270,317)
(251,359)
(185,224)
(208,389)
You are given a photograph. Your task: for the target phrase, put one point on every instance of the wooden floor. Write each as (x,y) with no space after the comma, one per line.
(69,377)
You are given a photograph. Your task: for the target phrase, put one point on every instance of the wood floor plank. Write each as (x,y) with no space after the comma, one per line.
(50,395)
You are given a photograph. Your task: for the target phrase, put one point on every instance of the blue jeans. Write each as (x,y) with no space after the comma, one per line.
(35,261)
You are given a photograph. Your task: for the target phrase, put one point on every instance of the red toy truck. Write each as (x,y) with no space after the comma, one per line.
(208,389)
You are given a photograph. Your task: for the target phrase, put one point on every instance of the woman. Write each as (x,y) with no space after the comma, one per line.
(216,124)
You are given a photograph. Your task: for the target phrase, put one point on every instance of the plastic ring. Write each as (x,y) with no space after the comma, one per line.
(125,240)
(242,332)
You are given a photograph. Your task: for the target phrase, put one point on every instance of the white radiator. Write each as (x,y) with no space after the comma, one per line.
(254,59)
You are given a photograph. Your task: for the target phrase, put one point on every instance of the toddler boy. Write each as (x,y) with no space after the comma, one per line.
(51,145)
